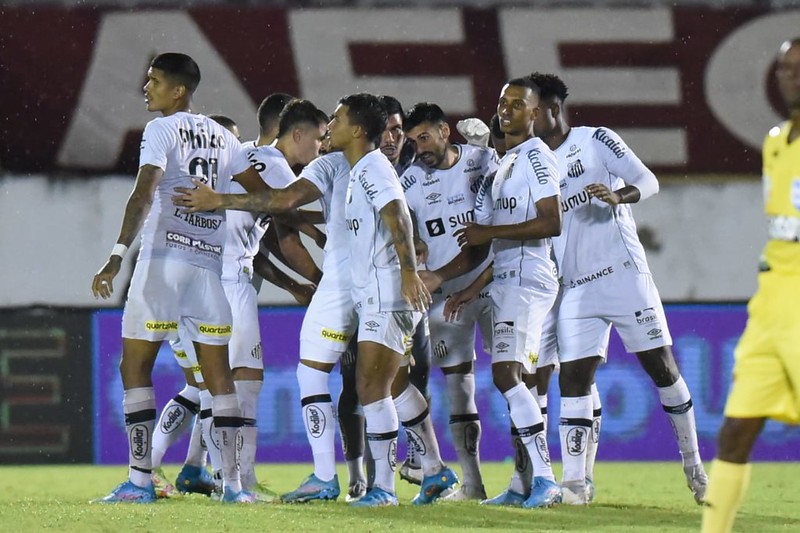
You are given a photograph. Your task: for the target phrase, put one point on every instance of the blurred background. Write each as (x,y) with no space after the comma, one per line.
(688,84)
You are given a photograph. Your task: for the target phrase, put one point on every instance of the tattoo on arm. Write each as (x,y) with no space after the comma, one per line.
(139,203)
(396,218)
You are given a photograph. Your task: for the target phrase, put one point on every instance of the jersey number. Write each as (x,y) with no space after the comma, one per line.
(205,169)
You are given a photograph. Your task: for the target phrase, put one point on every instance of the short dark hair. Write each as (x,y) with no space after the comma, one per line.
(525,81)
(179,68)
(366,110)
(392,105)
(269,110)
(494,125)
(296,112)
(423,112)
(550,86)
(224,121)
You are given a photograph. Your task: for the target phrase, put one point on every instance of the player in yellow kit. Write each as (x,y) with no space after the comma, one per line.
(766,379)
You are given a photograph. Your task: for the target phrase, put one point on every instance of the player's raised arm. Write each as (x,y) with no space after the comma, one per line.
(136,210)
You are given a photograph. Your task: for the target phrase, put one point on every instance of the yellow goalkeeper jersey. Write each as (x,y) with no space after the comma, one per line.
(781,180)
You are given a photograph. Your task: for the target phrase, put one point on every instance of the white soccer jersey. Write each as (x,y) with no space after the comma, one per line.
(186,146)
(330,174)
(597,238)
(443,200)
(246,229)
(528,173)
(374,263)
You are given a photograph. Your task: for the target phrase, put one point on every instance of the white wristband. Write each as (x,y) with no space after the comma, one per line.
(119,249)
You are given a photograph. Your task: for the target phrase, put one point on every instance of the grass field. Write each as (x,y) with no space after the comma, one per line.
(630,497)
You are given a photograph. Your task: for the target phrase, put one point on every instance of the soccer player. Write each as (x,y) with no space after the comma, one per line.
(602,261)
(177,275)
(441,186)
(268,112)
(518,212)
(766,374)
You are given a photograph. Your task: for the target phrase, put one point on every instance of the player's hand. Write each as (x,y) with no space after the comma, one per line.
(414,291)
(201,198)
(473,234)
(432,280)
(303,293)
(102,284)
(421,249)
(603,193)
(475,131)
(455,304)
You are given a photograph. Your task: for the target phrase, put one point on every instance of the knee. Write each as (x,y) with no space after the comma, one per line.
(504,379)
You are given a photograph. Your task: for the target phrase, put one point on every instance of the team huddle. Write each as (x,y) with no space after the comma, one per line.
(526,232)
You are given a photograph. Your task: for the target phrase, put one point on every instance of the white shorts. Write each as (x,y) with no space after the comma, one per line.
(244,349)
(392,329)
(548,349)
(518,314)
(628,300)
(186,356)
(328,326)
(165,293)
(453,343)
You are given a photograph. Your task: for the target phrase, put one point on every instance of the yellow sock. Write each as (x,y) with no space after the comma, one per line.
(726,488)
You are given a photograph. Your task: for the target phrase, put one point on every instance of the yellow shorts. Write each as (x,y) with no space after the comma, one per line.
(766,374)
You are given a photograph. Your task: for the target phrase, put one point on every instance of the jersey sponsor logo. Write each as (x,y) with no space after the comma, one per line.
(140,441)
(471,167)
(430,179)
(575,169)
(154,325)
(573,151)
(173,418)
(200,139)
(541,447)
(369,188)
(503,204)
(435,227)
(174,238)
(456,199)
(576,441)
(539,169)
(475,184)
(315,421)
(504,328)
(337,336)
(434,198)
(603,138)
(214,331)
(575,200)
(352,225)
(258,165)
(440,349)
(392,455)
(646,317)
(416,441)
(461,219)
(603,272)
(197,221)
(408,181)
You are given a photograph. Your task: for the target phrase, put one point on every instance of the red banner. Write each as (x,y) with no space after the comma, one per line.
(690,89)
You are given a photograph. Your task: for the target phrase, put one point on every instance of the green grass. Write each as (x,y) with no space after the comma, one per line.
(630,497)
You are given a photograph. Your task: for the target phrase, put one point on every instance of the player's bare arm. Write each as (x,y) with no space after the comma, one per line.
(455,304)
(397,220)
(420,246)
(546,224)
(467,259)
(626,195)
(301,292)
(136,210)
(295,252)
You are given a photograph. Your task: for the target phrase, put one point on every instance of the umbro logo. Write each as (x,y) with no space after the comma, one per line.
(372,324)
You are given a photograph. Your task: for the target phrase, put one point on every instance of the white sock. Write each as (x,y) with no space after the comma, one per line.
(594,438)
(382,440)
(228,423)
(677,403)
(139,407)
(247,392)
(176,418)
(317,406)
(196,453)
(527,418)
(412,410)
(574,429)
(209,432)
(465,426)
(541,400)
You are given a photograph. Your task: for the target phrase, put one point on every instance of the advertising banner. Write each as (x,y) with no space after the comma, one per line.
(634,425)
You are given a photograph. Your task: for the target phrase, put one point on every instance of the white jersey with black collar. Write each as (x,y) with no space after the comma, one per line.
(185,146)
(528,173)
(597,238)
